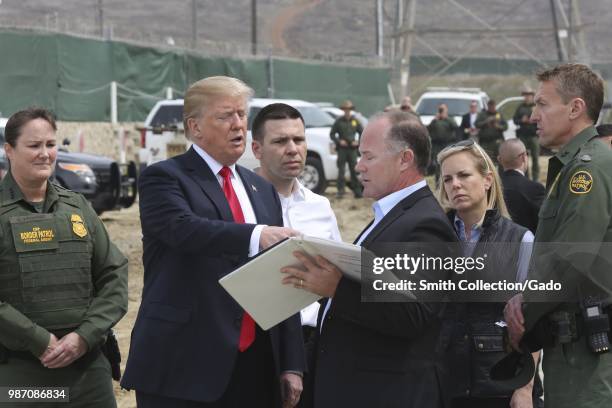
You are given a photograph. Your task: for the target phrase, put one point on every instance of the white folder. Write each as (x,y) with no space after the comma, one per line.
(257,285)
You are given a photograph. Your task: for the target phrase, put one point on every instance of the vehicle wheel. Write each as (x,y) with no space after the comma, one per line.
(313,176)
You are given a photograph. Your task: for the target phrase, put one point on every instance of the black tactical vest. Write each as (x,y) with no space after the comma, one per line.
(474,343)
(45,262)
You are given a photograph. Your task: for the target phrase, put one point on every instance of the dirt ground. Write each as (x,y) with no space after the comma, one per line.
(124,229)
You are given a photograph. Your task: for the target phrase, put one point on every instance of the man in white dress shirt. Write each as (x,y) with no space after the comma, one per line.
(279,143)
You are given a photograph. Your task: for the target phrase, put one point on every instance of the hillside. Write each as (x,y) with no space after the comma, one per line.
(315,27)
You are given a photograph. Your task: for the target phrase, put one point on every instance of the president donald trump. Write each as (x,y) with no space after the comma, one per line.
(202,216)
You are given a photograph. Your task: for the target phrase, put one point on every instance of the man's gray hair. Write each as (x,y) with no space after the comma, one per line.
(407,132)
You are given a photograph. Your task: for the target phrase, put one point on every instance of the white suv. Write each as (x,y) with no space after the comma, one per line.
(457,99)
(163,137)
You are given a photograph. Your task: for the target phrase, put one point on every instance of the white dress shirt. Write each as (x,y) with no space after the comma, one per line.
(473,117)
(311,214)
(382,208)
(243,197)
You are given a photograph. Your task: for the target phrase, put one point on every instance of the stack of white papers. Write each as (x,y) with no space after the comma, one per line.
(257,285)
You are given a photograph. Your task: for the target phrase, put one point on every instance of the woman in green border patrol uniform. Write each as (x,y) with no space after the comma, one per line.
(63,284)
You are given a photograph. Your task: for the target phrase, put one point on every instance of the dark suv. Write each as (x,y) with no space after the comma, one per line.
(107,184)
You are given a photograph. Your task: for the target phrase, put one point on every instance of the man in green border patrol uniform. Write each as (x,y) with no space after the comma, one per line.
(526,130)
(442,132)
(491,126)
(577,211)
(345,133)
(63,284)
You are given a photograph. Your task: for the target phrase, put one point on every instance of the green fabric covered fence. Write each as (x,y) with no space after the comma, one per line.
(72,76)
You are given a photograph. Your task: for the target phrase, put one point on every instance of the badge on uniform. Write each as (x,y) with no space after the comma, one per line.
(581,182)
(354,123)
(78,227)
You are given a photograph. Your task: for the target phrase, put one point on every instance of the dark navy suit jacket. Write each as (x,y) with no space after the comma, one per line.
(185,340)
(382,354)
(523,198)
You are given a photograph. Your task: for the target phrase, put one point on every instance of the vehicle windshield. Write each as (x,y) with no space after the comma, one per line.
(313,116)
(168,115)
(456,107)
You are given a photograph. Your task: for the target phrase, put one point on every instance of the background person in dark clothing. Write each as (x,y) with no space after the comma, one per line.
(605,133)
(523,196)
(443,131)
(526,130)
(491,125)
(468,123)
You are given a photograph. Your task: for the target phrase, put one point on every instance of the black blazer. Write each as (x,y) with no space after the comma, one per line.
(185,339)
(465,124)
(523,198)
(384,354)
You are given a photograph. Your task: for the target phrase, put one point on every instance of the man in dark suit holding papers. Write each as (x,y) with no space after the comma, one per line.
(381,354)
(202,216)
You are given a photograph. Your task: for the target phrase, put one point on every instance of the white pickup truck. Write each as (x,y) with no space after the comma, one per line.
(163,136)
(457,99)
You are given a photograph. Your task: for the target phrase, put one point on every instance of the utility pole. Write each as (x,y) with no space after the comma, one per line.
(556,30)
(194,24)
(396,40)
(580,45)
(396,49)
(101,18)
(254,27)
(407,49)
(570,34)
(379,29)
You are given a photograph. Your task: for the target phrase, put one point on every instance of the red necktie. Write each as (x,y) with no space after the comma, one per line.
(247,329)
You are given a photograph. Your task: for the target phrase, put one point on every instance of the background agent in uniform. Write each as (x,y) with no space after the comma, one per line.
(491,126)
(345,134)
(526,130)
(605,133)
(64,284)
(443,132)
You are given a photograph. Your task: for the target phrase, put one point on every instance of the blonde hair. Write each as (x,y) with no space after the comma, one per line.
(484,165)
(201,92)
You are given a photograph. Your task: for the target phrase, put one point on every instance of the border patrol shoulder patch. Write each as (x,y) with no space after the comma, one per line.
(581,182)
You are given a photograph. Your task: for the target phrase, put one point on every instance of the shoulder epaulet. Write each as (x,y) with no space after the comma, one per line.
(58,186)
(66,194)
(591,151)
